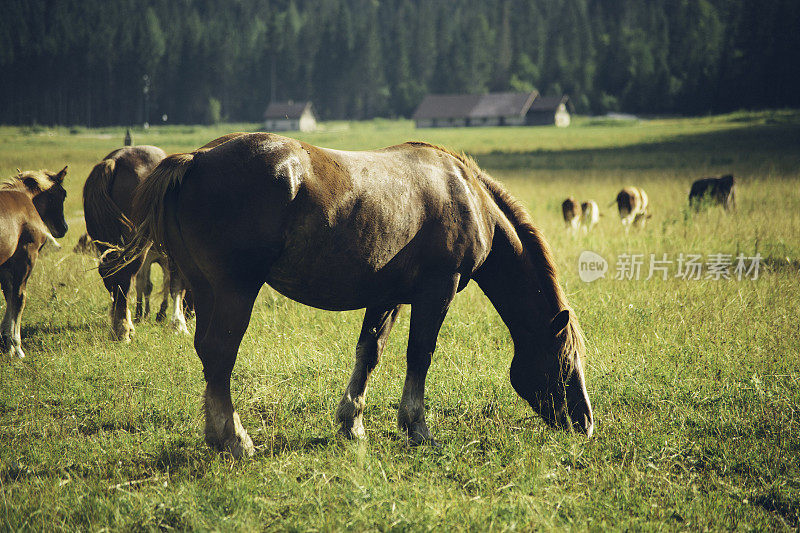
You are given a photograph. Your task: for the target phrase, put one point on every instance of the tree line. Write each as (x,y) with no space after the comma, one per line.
(107,62)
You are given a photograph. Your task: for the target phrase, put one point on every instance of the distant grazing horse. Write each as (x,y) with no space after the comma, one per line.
(31,212)
(718,190)
(633,207)
(86,246)
(590,215)
(572,213)
(408,224)
(107,200)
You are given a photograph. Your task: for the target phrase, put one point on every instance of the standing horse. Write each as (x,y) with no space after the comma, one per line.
(408,224)
(31,212)
(590,215)
(717,190)
(633,206)
(571,211)
(107,201)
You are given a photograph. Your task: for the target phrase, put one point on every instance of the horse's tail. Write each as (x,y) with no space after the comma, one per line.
(105,222)
(149,203)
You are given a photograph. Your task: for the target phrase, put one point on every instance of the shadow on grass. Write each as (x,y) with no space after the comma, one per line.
(33,330)
(774,144)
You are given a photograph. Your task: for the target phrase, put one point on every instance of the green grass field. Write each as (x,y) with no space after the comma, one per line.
(695,383)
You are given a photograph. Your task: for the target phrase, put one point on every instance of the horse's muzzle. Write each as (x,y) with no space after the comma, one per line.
(60,230)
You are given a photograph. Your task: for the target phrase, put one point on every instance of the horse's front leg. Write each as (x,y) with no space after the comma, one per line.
(144,288)
(7,344)
(118,283)
(166,286)
(375,330)
(428,310)
(222,319)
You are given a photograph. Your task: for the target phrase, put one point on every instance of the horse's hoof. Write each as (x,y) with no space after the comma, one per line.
(160,316)
(417,434)
(180,327)
(354,432)
(418,440)
(124,337)
(19,353)
(239,446)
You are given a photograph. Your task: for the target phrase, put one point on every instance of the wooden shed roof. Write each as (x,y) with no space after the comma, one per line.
(548,103)
(286,110)
(474,105)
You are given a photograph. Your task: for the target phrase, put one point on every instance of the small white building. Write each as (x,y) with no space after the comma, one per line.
(290,116)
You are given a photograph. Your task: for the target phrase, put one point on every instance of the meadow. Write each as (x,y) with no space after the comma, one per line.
(695,384)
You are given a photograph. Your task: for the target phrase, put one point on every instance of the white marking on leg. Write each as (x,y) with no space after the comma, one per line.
(224,429)
(178,320)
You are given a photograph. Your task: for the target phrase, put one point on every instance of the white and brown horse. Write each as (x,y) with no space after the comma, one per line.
(31,213)
(409,224)
(590,215)
(633,204)
(107,201)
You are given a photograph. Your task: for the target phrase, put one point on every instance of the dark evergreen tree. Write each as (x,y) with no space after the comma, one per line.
(85,61)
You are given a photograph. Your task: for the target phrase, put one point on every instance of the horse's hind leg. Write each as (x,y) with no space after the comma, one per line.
(222,319)
(374,332)
(13,281)
(7,345)
(428,310)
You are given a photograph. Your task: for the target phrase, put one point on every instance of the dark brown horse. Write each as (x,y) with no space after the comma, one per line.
(31,213)
(107,202)
(409,224)
(713,190)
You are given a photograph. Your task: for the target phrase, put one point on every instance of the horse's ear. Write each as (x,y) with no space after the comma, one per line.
(559,322)
(58,178)
(31,184)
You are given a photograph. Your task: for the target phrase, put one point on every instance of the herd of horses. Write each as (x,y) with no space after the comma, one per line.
(410,224)
(634,207)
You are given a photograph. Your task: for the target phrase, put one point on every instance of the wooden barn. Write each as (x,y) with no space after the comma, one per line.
(493,109)
(290,116)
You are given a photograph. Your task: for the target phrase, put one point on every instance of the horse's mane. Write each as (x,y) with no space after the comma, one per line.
(21,182)
(534,245)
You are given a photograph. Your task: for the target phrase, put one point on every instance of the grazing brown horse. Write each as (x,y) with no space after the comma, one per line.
(107,201)
(31,213)
(408,224)
(86,246)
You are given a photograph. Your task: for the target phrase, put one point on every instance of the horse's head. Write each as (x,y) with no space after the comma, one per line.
(49,200)
(548,374)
